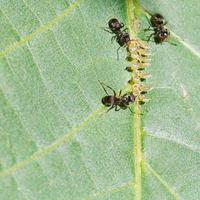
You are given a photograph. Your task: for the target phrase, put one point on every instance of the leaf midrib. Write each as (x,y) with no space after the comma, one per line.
(137,127)
(138,133)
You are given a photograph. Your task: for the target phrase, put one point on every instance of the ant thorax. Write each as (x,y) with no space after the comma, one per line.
(123,38)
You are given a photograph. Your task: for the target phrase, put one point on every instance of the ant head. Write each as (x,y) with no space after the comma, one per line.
(114,24)
(158,16)
(131,98)
(128,98)
(157,20)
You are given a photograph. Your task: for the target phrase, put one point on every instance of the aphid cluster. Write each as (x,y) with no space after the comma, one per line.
(138,59)
(157,25)
(121,36)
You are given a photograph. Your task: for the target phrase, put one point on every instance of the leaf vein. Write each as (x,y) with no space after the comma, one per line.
(52,147)
(184,145)
(167,186)
(40,76)
(185,44)
(65,55)
(110,191)
(41,29)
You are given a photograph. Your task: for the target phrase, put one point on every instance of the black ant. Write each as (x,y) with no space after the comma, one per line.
(161,34)
(117,101)
(121,36)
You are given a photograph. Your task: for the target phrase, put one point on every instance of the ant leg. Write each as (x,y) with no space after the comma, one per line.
(164,23)
(148,21)
(150,37)
(118,53)
(107,30)
(117,109)
(125,29)
(103,84)
(110,108)
(131,110)
(112,38)
(120,92)
(124,95)
(150,25)
(147,29)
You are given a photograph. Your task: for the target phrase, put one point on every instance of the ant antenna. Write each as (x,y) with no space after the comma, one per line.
(148,21)
(103,87)
(110,108)
(103,84)
(107,30)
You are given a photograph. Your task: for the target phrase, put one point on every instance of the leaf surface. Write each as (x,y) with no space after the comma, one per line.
(57,142)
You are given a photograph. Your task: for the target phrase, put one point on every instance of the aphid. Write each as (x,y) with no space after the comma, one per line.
(117,101)
(138,55)
(160,33)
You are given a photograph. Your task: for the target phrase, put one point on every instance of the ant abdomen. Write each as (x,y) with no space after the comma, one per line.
(108,100)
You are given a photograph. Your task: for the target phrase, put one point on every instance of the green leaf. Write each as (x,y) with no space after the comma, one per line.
(56,139)
(171,144)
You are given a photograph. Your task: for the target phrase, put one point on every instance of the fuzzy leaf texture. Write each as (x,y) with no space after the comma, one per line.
(57,142)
